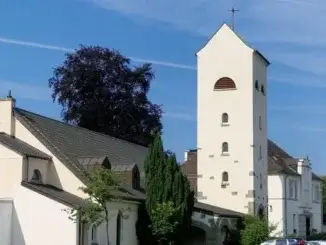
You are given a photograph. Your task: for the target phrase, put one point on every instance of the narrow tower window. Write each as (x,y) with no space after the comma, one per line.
(260,153)
(259,122)
(257,85)
(225,118)
(225,177)
(225,147)
(262,89)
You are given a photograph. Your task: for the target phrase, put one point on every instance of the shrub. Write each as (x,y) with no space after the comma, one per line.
(255,232)
(317,236)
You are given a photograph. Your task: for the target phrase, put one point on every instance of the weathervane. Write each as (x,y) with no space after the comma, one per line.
(233,10)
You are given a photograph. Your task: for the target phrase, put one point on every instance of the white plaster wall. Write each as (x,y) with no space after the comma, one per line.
(276,203)
(128,230)
(58,175)
(260,134)
(38,220)
(11,172)
(6,221)
(226,55)
(287,220)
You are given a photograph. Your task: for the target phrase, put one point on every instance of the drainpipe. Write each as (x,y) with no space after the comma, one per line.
(285,207)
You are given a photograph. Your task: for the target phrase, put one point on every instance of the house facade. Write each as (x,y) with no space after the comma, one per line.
(235,165)
(295,201)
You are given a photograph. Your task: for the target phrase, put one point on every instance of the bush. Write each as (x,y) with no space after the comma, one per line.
(317,236)
(255,232)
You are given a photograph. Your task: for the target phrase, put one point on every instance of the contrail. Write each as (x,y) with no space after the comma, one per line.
(63,49)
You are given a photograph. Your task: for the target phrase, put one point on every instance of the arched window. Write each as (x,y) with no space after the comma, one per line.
(37,176)
(225,118)
(224,83)
(257,85)
(259,122)
(261,181)
(225,147)
(262,89)
(135,178)
(94,233)
(119,227)
(225,177)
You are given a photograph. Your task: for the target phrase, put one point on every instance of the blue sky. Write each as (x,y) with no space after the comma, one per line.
(35,34)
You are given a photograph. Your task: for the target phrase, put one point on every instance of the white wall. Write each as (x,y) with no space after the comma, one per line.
(38,220)
(276,203)
(225,55)
(128,231)
(285,212)
(5,221)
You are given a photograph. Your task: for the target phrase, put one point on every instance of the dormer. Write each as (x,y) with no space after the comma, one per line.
(130,175)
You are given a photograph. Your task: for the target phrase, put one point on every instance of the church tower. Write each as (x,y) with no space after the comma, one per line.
(232,124)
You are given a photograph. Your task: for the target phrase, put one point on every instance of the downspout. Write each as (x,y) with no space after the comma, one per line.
(285,207)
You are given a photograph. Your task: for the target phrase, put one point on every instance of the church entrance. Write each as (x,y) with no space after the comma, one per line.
(196,236)
(260,212)
(308,225)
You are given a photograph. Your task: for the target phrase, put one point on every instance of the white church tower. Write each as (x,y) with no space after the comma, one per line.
(232,124)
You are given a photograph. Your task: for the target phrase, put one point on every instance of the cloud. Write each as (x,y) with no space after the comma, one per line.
(64,49)
(25,91)
(308,109)
(311,129)
(291,24)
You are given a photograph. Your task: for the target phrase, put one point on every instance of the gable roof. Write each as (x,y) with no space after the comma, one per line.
(22,147)
(225,25)
(75,146)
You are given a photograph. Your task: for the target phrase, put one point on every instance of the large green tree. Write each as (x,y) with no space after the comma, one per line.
(101,90)
(165,183)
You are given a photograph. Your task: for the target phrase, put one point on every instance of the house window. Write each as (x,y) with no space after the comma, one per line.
(37,176)
(119,226)
(260,124)
(135,178)
(293,189)
(225,147)
(262,89)
(94,233)
(225,177)
(257,85)
(316,193)
(225,118)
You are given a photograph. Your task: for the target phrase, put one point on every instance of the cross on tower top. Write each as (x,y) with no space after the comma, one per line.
(233,10)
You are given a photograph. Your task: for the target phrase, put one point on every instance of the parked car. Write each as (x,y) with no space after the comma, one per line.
(290,241)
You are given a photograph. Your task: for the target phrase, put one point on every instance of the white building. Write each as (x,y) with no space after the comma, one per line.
(237,164)
(43,161)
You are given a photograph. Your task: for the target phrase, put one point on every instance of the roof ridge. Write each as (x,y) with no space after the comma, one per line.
(78,127)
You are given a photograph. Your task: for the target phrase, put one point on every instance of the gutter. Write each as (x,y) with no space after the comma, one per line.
(285,207)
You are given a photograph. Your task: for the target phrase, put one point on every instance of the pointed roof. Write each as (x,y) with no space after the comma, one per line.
(225,25)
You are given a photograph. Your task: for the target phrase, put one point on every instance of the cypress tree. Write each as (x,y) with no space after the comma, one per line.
(166,183)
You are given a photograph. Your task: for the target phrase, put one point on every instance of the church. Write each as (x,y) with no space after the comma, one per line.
(235,169)
(235,165)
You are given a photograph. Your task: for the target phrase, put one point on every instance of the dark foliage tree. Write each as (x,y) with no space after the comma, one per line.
(100,90)
(166,183)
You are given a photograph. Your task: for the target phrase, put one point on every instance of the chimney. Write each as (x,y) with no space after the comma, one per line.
(7,121)
(186,155)
(303,165)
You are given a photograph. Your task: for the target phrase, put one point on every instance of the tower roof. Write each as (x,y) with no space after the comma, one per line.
(225,25)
